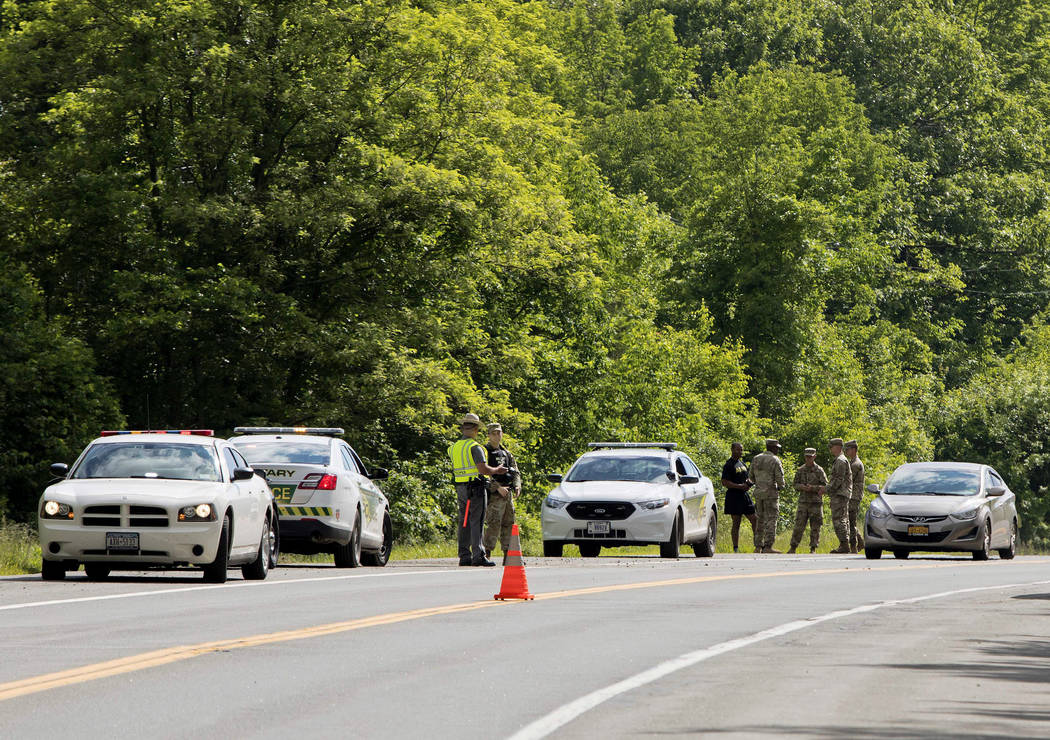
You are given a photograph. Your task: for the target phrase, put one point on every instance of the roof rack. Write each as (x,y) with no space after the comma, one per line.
(324,431)
(632,445)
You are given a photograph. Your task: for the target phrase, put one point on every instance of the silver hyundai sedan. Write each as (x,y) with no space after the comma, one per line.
(942,506)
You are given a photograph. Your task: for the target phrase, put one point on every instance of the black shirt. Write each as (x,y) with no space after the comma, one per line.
(735,471)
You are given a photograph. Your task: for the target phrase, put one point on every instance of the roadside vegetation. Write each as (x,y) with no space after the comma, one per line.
(696,221)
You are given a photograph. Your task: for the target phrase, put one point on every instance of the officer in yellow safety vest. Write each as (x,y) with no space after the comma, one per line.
(469,468)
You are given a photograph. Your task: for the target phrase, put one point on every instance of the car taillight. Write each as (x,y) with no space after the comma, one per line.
(319,481)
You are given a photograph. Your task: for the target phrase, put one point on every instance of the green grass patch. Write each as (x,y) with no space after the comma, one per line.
(19,549)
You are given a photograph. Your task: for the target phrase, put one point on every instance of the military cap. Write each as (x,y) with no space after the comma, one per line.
(470,419)
(835,441)
(495,426)
(852,443)
(809,451)
(772,444)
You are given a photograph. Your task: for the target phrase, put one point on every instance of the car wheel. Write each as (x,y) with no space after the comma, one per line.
(986,544)
(380,557)
(52,570)
(873,553)
(215,571)
(275,540)
(258,568)
(670,549)
(552,549)
(96,571)
(1009,552)
(590,549)
(349,555)
(706,549)
(901,554)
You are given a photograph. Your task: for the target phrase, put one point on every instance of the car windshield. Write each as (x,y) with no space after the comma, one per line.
(619,468)
(918,481)
(298,451)
(149,460)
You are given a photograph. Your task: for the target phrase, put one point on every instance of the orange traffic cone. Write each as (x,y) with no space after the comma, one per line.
(514,585)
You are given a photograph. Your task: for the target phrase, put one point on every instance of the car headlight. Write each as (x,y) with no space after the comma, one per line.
(877,510)
(554,503)
(656,503)
(56,510)
(198,513)
(965,516)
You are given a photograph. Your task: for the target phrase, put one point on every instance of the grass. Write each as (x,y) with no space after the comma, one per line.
(19,549)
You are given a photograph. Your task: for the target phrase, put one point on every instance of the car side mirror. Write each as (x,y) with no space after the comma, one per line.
(243,473)
(996,491)
(873,488)
(262,474)
(554,477)
(688,480)
(378,474)
(59,470)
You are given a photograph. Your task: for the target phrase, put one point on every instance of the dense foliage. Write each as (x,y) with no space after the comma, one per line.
(626,219)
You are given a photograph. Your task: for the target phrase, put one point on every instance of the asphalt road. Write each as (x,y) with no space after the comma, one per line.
(736,646)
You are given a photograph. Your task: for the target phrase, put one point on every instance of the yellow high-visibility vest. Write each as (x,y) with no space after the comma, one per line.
(463,467)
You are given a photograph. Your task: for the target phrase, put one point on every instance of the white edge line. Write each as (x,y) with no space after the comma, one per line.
(565,714)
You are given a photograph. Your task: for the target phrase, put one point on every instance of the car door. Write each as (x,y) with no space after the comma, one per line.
(245,516)
(1002,508)
(368,489)
(258,491)
(691,497)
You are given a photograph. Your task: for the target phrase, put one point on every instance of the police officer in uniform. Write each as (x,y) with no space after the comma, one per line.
(499,517)
(469,468)
(810,480)
(839,489)
(738,503)
(856,540)
(767,474)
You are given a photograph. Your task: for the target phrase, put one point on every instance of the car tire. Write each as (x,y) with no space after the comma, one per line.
(590,549)
(96,571)
(672,547)
(380,557)
(349,555)
(706,549)
(901,554)
(275,544)
(258,569)
(215,571)
(873,553)
(986,543)
(52,570)
(1009,552)
(552,549)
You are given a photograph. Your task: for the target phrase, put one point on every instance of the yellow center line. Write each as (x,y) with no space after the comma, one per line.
(142,661)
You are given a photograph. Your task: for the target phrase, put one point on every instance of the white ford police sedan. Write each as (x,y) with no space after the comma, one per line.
(328,500)
(162,499)
(635,493)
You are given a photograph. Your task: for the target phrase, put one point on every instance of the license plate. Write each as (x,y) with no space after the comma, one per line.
(921,530)
(598,527)
(283,494)
(122,541)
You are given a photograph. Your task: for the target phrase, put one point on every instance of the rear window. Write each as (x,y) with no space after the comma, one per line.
(284,451)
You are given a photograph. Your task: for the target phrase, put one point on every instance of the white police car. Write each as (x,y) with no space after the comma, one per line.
(327,499)
(159,499)
(634,493)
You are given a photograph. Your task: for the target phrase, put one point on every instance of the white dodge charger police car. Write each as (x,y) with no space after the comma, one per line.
(161,499)
(634,493)
(328,500)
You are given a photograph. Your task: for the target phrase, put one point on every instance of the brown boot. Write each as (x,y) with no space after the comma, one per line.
(842,549)
(791,550)
(771,551)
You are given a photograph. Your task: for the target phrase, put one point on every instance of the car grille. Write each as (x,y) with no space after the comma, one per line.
(608,510)
(920,519)
(905,537)
(615,534)
(113,515)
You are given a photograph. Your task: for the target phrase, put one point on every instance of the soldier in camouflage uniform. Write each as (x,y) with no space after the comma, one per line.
(810,479)
(856,541)
(499,516)
(839,489)
(767,473)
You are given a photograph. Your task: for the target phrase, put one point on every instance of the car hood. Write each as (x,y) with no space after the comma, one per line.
(133,490)
(616,490)
(930,505)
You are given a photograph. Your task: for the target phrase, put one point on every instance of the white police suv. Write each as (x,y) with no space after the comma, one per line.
(158,499)
(632,493)
(328,500)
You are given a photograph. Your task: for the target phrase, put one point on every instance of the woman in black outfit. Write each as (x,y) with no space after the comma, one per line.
(738,500)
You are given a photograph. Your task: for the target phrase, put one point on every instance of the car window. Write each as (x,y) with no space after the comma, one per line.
(301,451)
(997,481)
(231,463)
(988,483)
(239,458)
(679,465)
(348,460)
(607,468)
(691,468)
(360,465)
(149,460)
(922,480)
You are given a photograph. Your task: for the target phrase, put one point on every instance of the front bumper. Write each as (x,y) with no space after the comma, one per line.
(943,534)
(642,527)
(72,541)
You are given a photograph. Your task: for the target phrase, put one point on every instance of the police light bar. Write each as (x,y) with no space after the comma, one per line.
(325,431)
(632,445)
(200,432)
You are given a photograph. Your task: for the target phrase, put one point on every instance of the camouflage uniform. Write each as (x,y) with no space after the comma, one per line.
(499,516)
(839,488)
(767,473)
(810,504)
(856,541)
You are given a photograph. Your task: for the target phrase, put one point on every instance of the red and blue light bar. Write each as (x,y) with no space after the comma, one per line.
(199,432)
